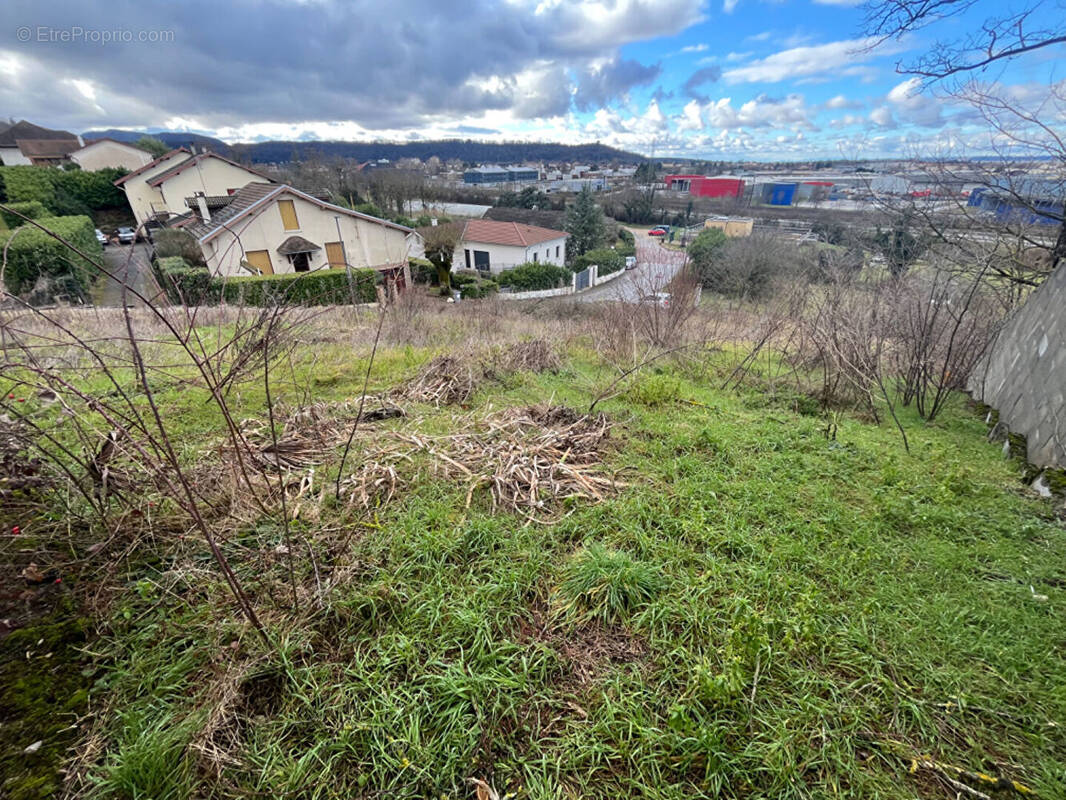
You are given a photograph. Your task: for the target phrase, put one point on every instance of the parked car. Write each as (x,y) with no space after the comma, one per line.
(101,237)
(661,299)
(631,262)
(657,232)
(126,236)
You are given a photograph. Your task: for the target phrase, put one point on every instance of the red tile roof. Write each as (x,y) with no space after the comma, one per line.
(516,234)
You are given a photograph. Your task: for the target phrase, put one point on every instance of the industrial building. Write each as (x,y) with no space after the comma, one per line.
(704,186)
(491,174)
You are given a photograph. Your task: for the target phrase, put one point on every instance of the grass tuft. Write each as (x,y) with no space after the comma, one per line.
(608,584)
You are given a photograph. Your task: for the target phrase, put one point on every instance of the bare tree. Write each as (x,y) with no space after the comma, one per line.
(1010,32)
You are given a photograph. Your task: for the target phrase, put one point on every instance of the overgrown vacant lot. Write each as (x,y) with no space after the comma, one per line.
(708,592)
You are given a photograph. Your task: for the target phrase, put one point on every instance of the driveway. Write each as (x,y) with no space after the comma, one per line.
(129,263)
(656,267)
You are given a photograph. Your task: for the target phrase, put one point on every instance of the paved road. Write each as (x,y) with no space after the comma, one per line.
(129,263)
(656,267)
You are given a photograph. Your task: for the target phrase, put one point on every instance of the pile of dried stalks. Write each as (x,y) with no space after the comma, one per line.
(533,355)
(529,459)
(452,380)
(309,433)
(446,380)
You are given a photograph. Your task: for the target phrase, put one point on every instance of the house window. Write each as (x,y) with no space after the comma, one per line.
(556,251)
(467,251)
(335,255)
(301,262)
(547,254)
(260,260)
(534,256)
(288,215)
(481,260)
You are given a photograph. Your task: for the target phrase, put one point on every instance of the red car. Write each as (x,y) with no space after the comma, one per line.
(657,232)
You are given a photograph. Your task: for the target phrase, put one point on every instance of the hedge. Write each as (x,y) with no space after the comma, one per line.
(423,271)
(534,276)
(320,288)
(32,253)
(192,285)
(473,285)
(62,192)
(185,283)
(608,260)
(28,208)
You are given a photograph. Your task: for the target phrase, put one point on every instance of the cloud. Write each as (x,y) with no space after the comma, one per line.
(729,5)
(695,48)
(882,117)
(913,107)
(699,78)
(761,112)
(841,102)
(800,62)
(600,84)
(420,63)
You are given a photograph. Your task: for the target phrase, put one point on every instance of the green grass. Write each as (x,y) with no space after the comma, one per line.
(761,612)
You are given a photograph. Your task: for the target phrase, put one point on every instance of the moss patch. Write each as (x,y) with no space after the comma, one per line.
(44,687)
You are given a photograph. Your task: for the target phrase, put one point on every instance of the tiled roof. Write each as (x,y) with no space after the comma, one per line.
(243,199)
(27,130)
(47,148)
(516,234)
(251,195)
(297,244)
(177,169)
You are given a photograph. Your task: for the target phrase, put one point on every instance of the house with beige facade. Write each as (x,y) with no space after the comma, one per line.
(110,153)
(491,246)
(157,191)
(265,229)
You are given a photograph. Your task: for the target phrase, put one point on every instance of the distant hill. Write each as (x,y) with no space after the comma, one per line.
(170,138)
(467,150)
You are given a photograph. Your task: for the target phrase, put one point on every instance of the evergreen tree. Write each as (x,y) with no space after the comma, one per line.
(156,147)
(584,223)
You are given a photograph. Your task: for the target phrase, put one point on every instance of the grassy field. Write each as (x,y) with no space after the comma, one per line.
(768,603)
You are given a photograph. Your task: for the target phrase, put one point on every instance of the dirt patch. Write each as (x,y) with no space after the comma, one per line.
(587,650)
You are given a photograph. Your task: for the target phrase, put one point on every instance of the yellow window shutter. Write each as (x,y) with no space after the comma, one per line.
(335,254)
(260,259)
(288,215)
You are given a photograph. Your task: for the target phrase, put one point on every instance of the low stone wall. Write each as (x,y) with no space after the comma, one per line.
(1024,375)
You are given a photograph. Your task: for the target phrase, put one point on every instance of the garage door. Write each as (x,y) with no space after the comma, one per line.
(260,259)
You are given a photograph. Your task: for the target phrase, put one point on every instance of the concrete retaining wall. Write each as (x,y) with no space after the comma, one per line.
(1024,375)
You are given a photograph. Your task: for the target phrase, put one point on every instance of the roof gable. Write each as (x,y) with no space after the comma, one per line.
(255,197)
(177,169)
(106,140)
(152,164)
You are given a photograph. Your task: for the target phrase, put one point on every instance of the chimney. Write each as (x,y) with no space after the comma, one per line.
(201,203)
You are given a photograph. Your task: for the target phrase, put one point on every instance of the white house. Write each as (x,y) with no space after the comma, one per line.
(492,246)
(272,229)
(157,191)
(104,153)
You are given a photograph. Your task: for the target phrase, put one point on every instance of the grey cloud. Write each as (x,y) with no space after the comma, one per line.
(597,87)
(401,66)
(700,78)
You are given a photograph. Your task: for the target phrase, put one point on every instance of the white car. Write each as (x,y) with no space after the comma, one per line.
(661,299)
(126,236)
(631,262)
(101,238)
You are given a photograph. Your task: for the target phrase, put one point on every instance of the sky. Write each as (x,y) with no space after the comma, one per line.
(722,80)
